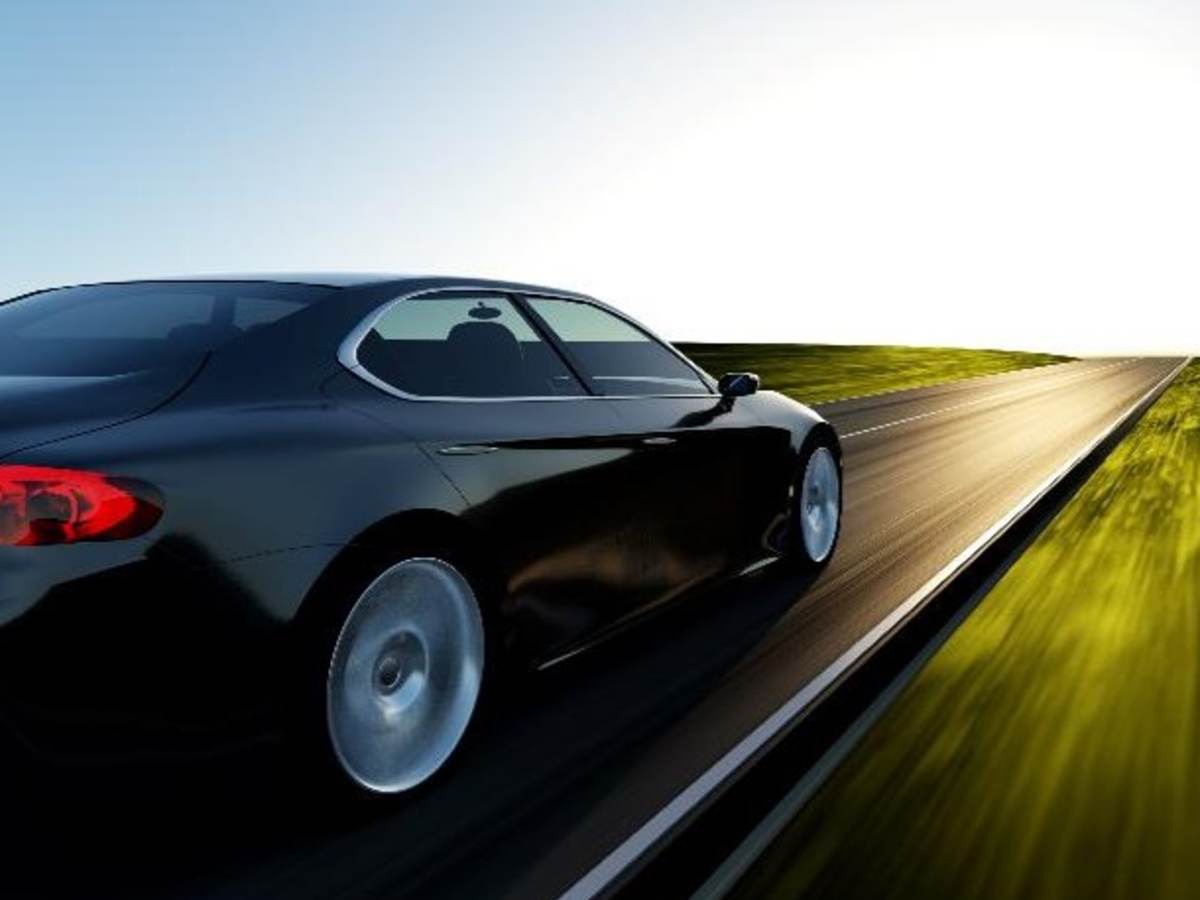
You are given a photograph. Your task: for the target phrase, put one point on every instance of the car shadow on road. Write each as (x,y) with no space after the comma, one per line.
(247,822)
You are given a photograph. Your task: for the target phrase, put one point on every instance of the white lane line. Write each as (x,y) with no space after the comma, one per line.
(609,869)
(1078,376)
(962,382)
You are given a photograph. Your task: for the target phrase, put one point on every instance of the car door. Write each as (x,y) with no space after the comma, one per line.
(543,463)
(701,466)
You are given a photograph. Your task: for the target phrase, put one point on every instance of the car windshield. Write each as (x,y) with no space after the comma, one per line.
(111,329)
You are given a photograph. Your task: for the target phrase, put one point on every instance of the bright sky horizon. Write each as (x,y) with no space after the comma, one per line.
(1018,174)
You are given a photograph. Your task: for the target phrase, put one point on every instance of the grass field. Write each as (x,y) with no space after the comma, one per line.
(817,373)
(1051,749)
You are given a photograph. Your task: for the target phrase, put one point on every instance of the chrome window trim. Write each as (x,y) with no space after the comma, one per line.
(348,350)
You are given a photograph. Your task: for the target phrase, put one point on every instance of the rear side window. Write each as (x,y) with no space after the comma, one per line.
(620,359)
(464,345)
(112,329)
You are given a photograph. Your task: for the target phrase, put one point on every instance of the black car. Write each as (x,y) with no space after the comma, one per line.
(347,498)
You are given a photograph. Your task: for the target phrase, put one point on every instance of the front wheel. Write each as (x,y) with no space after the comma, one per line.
(817,505)
(405,675)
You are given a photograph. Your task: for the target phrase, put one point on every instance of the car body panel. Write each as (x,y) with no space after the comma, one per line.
(723,477)
(40,409)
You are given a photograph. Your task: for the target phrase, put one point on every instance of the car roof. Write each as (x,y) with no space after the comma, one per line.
(317,279)
(320,279)
(355,280)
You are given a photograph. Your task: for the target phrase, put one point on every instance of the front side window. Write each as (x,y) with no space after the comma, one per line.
(463,345)
(620,360)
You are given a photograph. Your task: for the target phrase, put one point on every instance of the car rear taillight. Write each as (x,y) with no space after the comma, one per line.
(40,505)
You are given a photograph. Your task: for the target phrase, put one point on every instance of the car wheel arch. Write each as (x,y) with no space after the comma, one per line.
(417,531)
(821,432)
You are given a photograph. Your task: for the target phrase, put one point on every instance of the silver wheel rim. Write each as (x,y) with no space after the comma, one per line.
(820,504)
(405,675)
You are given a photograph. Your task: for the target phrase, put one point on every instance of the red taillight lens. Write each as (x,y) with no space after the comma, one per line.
(40,505)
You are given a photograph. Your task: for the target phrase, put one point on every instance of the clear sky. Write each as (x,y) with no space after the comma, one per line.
(1014,174)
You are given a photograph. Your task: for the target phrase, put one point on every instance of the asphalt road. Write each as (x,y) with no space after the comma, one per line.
(580,756)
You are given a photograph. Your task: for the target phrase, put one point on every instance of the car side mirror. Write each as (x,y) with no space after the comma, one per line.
(737,384)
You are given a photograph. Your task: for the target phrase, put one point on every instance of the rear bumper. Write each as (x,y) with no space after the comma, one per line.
(143,659)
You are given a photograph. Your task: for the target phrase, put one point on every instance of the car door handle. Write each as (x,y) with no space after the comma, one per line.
(658,441)
(467,449)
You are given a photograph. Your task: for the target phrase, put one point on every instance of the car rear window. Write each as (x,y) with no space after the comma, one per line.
(111,329)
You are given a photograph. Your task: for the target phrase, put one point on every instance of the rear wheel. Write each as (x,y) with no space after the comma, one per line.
(405,675)
(817,504)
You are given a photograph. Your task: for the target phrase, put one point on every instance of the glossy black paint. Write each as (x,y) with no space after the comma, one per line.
(277,462)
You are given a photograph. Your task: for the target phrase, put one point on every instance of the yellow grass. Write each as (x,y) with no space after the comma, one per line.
(816,373)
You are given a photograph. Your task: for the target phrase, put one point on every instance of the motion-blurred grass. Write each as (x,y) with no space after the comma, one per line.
(1051,749)
(818,373)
